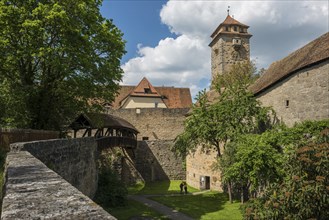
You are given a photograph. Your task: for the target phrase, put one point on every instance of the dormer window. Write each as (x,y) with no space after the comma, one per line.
(147,90)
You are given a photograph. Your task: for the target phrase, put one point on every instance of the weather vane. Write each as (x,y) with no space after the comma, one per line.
(228,10)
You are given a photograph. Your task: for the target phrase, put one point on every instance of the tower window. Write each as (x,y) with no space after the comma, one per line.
(235,28)
(287,103)
(236,41)
(227,29)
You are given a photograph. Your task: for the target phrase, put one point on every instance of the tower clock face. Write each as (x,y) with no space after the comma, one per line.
(237,53)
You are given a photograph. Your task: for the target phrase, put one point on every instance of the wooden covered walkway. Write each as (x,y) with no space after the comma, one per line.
(109,131)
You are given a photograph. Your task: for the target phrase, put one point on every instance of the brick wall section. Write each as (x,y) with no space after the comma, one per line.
(33,191)
(200,164)
(72,159)
(156,124)
(307,92)
(10,135)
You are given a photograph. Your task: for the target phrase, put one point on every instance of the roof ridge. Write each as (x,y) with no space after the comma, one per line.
(313,52)
(142,85)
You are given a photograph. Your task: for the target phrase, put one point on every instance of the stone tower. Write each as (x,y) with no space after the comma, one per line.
(230,44)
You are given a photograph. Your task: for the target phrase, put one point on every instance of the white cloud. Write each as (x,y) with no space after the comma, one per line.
(173,62)
(278,28)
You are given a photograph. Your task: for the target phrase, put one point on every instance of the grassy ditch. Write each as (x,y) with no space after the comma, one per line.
(209,205)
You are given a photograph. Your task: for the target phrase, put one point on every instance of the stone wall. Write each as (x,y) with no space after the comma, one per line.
(13,135)
(224,55)
(302,96)
(201,164)
(150,161)
(155,161)
(33,191)
(155,124)
(72,159)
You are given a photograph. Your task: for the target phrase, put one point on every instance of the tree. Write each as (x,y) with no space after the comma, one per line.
(303,193)
(55,57)
(250,163)
(235,112)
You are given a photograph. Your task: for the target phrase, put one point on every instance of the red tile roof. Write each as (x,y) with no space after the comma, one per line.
(142,87)
(171,96)
(312,53)
(175,97)
(228,21)
(231,21)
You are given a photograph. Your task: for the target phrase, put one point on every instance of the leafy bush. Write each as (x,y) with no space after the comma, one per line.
(304,192)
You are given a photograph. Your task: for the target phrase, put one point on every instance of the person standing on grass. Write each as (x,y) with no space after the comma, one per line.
(181,185)
(185,187)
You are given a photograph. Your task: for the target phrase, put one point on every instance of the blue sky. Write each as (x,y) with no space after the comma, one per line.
(139,21)
(167,41)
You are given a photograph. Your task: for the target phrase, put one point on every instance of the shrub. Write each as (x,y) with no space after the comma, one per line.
(304,193)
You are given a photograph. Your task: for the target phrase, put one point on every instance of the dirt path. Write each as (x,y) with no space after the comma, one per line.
(165,210)
(169,212)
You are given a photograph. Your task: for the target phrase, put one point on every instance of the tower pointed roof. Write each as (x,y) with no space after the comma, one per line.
(145,88)
(227,22)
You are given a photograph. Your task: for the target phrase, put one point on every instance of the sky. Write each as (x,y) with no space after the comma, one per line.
(167,41)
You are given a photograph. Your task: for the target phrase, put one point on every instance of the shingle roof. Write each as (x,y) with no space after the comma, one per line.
(171,96)
(228,21)
(175,97)
(312,53)
(100,120)
(140,89)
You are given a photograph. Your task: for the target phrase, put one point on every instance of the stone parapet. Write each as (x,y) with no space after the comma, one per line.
(73,159)
(33,191)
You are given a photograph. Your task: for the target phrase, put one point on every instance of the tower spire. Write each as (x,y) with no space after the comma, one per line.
(228,10)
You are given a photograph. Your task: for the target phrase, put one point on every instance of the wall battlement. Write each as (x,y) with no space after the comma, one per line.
(34,191)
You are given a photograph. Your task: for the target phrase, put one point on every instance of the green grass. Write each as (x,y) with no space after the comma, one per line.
(161,187)
(134,209)
(210,205)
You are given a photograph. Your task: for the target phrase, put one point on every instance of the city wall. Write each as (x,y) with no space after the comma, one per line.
(13,135)
(150,161)
(51,179)
(155,124)
(302,96)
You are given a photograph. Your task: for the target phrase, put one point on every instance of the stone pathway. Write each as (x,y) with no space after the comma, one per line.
(169,212)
